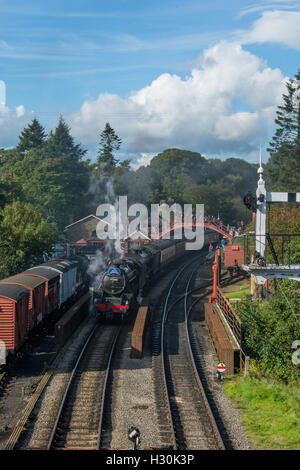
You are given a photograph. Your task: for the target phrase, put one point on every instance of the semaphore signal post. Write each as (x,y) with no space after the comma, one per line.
(260,269)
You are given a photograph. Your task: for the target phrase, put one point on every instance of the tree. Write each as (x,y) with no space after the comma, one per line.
(10,189)
(288,117)
(60,142)
(283,167)
(216,199)
(32,137)
(270,328)
(109,141)
(24,238)
(54,179)
(188,177)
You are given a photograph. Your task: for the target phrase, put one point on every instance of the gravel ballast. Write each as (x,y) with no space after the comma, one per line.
(132,397)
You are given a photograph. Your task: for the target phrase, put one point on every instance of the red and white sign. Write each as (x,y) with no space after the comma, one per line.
(221,367)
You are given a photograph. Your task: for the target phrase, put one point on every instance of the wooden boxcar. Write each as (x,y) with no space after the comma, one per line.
(36,299)
(13,316)
(52,280)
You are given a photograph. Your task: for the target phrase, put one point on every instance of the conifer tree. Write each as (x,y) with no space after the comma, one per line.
(109,141)
(32,137)
(62,143)
(283,167)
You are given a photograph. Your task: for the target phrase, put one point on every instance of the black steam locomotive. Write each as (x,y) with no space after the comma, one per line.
(126,278)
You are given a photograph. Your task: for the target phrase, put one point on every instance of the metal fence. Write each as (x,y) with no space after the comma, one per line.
(235,324)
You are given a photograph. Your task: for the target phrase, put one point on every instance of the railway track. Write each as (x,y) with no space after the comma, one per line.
(190,422)
(78,424)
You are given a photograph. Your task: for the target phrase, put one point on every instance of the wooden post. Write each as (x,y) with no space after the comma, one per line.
(215,269)
(246,368)
(252,286)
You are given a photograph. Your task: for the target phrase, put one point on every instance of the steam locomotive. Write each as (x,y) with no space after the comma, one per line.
(127,278)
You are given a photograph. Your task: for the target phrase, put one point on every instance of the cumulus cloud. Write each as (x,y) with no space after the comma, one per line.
(223,105)
(12,122)
(143,160)
(274,26)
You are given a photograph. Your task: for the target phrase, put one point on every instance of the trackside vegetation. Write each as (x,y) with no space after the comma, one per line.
(269,396)
(271,411)
(52,175)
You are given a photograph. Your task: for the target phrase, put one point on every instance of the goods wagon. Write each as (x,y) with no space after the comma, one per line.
(52,280)
(13,317)
(27,298)
(67,271)
(36,299)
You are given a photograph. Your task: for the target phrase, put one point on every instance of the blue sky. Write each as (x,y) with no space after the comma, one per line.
(205,76)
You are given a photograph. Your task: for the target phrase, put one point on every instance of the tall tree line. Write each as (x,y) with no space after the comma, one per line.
(50,176)
(283,167)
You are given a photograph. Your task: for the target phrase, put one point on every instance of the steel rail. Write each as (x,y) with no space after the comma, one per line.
(14,436)
(68,387)
(108,368)
(164,319)
(198,379)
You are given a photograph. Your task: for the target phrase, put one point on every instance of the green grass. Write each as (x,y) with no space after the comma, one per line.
(271,411)
(239,294)
(237,240)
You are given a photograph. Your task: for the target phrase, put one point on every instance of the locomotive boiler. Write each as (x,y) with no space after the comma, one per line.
(126,279)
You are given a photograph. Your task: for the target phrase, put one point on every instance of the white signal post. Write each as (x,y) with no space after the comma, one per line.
(262,197)
(260,219)
(262,273)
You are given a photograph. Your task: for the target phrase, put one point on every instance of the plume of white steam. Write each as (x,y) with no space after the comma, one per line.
(96,269)
(112,248)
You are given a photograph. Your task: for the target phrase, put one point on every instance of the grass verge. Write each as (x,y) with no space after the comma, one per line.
(242,293)
(271,411)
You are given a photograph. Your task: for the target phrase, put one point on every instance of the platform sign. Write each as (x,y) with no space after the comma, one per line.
(221,367)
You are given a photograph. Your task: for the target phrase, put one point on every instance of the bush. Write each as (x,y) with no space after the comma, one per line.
(270,328)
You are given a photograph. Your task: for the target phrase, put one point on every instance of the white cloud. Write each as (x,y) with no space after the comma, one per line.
(143,160)
(266,5)
(274,26)
(20,111)
(12,122)
(203,111)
